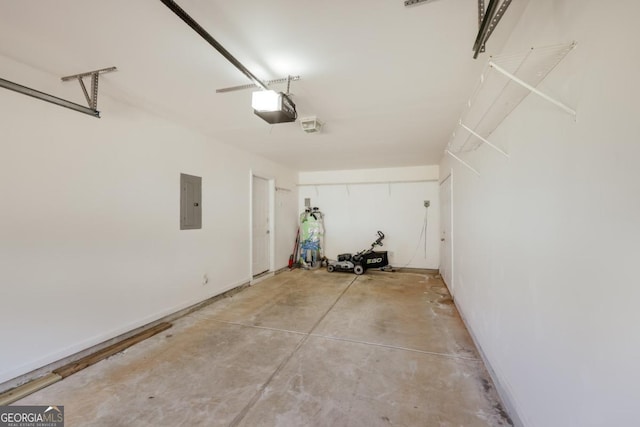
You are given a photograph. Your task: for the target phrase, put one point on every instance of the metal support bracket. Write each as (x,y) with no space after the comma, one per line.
(286,80)
(481,9)
(488,21)
(48,98)
(409,3)
(92,99)
(532,89)
(481,138)
(467,165)
(496,19)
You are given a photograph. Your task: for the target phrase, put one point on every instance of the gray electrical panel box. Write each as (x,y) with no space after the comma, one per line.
(190,202)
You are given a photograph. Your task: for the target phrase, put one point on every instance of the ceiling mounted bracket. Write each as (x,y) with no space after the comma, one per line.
(481,9)
(409,3)
(48,98)
(287,80)
(92,99)
(494,22)
(489,20)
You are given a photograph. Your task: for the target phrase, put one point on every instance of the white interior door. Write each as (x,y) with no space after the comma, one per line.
(446,233)
(260,231)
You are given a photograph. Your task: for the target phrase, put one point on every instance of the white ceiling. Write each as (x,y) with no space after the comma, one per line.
(389,81)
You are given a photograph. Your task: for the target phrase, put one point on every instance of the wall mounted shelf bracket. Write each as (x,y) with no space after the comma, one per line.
(531,88)
(496,97)
(467,165)
(481,138)
(92,99)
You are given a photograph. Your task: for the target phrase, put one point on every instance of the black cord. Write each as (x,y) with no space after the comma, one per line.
(423,232)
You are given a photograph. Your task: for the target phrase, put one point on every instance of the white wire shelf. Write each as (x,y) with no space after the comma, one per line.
(505,82)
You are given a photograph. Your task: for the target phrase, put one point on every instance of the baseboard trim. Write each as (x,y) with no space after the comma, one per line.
(46,370)
(262,276)
(26,389)
(502,391)
(433,271)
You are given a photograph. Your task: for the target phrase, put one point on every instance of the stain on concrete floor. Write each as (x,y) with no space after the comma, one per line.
(303,348)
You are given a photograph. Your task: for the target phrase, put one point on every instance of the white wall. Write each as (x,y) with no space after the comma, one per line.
(90,245)
(358,203)
(546,243)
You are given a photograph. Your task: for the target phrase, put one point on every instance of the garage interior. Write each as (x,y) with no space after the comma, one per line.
(500,171)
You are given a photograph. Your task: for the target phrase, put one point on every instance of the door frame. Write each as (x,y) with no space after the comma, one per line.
(449,235)
(271,197)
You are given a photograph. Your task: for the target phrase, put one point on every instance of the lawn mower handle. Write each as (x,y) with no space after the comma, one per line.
(378,241)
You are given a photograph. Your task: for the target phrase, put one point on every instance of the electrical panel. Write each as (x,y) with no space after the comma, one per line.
(190,202)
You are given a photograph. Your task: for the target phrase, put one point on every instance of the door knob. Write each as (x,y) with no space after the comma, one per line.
(442,240)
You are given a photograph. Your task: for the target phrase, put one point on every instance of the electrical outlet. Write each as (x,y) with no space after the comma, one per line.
(427,203)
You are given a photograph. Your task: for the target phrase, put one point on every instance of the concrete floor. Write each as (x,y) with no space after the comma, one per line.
(303,348)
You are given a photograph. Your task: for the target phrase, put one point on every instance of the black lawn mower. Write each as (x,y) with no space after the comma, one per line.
(362,261)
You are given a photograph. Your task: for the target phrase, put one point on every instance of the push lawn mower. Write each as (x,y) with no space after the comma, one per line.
(363,260)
